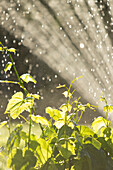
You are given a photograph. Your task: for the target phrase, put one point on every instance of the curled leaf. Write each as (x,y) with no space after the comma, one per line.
(8,67)
(12,50)
(36,96)
(28,78)
(67,94)
(60,86)
(66,107)
(3,123)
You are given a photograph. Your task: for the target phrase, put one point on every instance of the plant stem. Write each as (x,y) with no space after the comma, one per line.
(76,117)
(24,118)
(9,124)
(107,118)
(21,83)
(30,125)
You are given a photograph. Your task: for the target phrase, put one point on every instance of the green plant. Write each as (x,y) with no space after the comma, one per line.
(63,143)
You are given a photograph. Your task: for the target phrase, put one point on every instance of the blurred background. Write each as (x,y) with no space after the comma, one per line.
(56,41)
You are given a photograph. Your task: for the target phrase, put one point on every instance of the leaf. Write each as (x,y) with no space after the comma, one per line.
(8,67)
(40,119)
(59,123)
(60,86)
(1,48)
(93,141)
(67,94)
(17,105)
(36,96)
(13,50)
(43,150)
(85,131)
(14,138)
(3,123)
(28,78)
(64,152)
(54,113)
(66,107)
(17,161)
(108,109)
(98,123)
(64,129)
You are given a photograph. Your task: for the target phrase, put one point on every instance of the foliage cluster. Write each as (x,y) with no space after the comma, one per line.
(63,143)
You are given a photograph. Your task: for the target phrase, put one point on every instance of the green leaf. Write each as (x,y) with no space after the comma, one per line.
(28,78)
(61,131)
(54,113)
(66,107)
(29,160)
(107,132)
(64,152)
(81,107)
(93,141)
(67,94)
(59,123)
(17,161)
(14,138)
(13,50)
(3,123)
(8,67)
(17,105)
(36,96)
(60,86)
(40,119)
(108,109)
(98,123)
(1,48)
(43,150)
(85,131)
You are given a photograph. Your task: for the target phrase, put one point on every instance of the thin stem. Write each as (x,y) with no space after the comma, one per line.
(6,81)
(21,83)
(80,116)
(76,116)
(24,118)
(107,118)
(9,124)
(30,125)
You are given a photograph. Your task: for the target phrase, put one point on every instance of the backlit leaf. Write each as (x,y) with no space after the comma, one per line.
(36,96)
(99,123)
(66,107)
(28,78)
(1,48)
(17,105)
(59,123)
(3,123)
(67,94)
(8,67)
(85,131)
(108,109)
(44,150)
(54,113)
(13,50)
(60,86)
(40,119)
(14,138)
